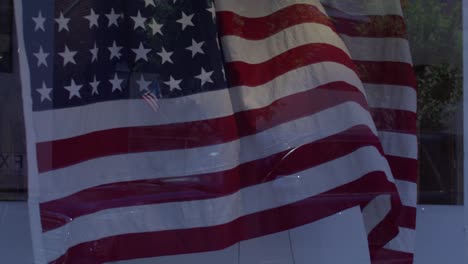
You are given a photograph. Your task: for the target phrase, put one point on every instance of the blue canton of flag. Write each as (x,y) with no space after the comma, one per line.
(84,52)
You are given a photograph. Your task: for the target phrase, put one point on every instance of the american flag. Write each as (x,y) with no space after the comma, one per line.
(375,34)
(148,137)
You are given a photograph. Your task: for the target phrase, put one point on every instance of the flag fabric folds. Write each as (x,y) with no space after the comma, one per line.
(375,34)
(160,128)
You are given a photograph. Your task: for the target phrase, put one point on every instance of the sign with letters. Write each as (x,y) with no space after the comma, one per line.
(12,176)
(11,162)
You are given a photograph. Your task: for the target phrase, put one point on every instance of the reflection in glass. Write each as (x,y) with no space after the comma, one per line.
(435,34)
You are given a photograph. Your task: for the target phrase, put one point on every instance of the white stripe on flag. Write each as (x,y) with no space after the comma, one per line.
(408,192)
(376,211)
(212,212)
(298,35)
(150,165)
(367,7)
(399,144)
(260,8)
(391,97)
(378,49)
(404,241)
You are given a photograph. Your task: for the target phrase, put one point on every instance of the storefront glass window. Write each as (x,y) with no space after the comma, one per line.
(232,131)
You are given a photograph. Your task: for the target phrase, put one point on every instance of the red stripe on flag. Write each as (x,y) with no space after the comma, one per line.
(394,120)
(241,73)
(386,72)
(205,186)
(372,26)
(171,242)
(407,217)
(403,168)
(151,100)
(385,231)
(393,257)
(57,154)
(263,27)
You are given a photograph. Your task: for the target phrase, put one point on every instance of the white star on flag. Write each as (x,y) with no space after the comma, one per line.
(39,21)
(155,27)
(45,92)
(173,84)
(116,83)
(196,48)
(212,11)
(143,84)
(205,77)
(41,57)
(149,3)
(186,20)
(68,56)
(62,23)
(93,19)
(115,51)
(165,56)
(94,52)
(139,21)
(74,89)
(113,18)
(94,84)
(141,53)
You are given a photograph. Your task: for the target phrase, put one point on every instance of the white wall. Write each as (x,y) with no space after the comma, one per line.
(15,241)
(440,235)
